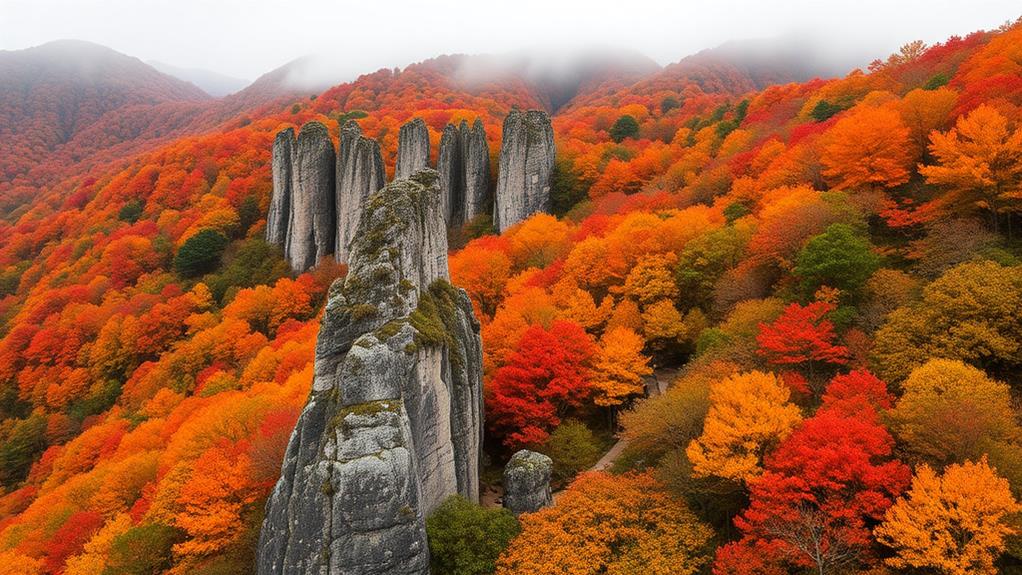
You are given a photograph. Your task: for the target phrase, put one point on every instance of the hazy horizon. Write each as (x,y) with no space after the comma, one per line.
(247,39)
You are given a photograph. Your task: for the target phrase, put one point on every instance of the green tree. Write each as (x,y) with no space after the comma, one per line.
(625,127)
(200,253)
(130,212)
(573,448)
(824,110)
(466,539)
(839,258)
(21,442)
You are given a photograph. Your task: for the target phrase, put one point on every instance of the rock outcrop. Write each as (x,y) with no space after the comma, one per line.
(526,165)
(464,166)
(280,201)
(393,424)
(359,174)
(412,149)
(527,482)
(311,217)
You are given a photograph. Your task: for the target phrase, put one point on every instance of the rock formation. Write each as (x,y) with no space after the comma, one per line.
(526,164)
(393,424)
(311,218)
(464,166)
(359,174)
(527,482)
(412,149)
(280,201)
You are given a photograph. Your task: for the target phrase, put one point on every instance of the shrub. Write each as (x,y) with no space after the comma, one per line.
(466,539)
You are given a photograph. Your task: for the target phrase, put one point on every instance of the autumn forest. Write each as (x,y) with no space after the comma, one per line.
(784,314)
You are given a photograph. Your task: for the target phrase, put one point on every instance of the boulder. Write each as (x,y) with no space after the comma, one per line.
(527,482)
(526,165)
(393,424)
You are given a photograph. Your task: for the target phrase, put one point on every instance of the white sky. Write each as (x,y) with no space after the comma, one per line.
(247,38)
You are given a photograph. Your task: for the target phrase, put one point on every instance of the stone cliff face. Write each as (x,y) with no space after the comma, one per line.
(412,149)
(526,164)
(280,201)
(311,218)
(359,174)
(393,424)
(464,166)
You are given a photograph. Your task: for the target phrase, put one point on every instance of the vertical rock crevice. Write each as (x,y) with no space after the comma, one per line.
(526,165)
(393,424)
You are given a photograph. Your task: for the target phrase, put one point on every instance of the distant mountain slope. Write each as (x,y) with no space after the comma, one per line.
(733,68)
(213,83)
(53,92)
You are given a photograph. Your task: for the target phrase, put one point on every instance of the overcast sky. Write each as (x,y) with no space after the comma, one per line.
(245,38)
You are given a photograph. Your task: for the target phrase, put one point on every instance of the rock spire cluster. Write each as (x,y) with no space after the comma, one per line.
(318,195)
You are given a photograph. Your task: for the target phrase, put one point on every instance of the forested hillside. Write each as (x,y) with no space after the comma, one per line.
(832,265)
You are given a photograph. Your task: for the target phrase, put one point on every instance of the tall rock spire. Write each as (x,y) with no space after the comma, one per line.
(393,424)
(359,174)
(280,201)
(412,149)
(311,220)
(464,166)
(476,162)
(526,165)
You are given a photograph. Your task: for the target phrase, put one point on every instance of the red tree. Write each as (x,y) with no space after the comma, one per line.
(802,336)
(825,487)
(547,375)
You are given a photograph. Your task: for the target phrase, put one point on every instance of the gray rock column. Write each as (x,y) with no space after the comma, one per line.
(312,221)
(527,482)
(464,166)
(412,149)
(478,199)
(280,200)
(526,164)
(359,174)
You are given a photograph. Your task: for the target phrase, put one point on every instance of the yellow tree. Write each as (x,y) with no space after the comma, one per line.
(652,279)
(619,367)
(954,524)
(662,323)
(868,148)
(749,414)
(980,162)
(613,524)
